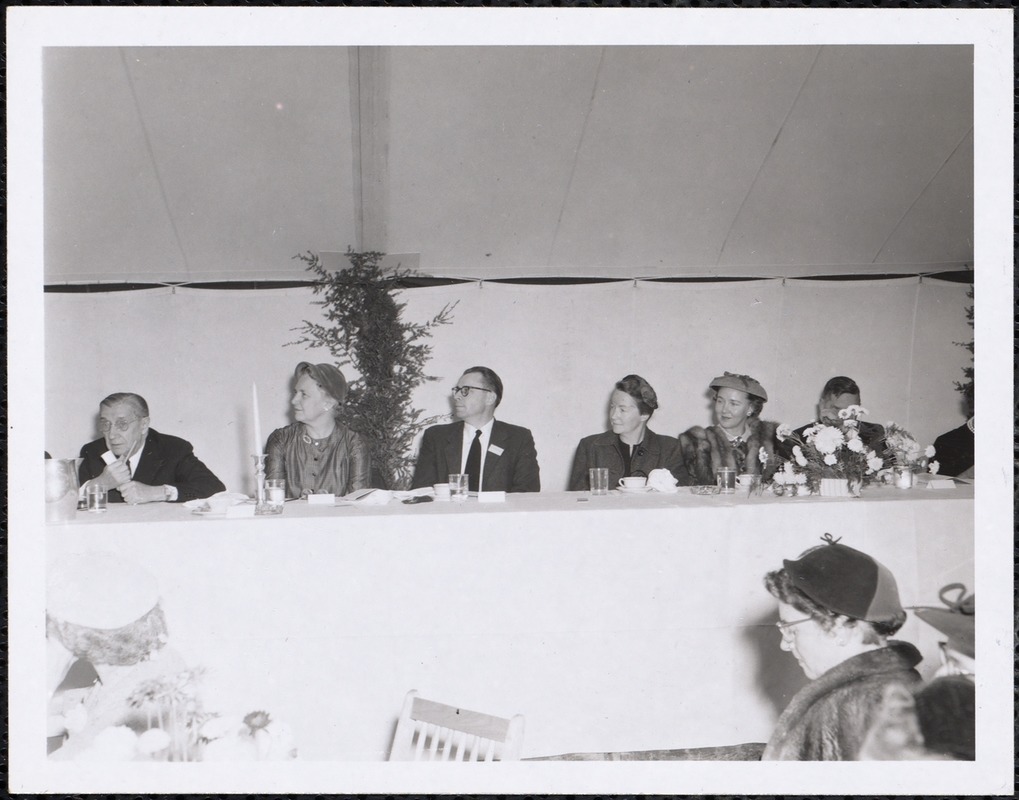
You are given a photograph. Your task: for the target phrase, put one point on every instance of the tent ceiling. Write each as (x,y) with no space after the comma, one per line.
(192,164)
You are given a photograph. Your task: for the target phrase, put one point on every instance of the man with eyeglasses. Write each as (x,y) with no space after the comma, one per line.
(137,464)
(495,455)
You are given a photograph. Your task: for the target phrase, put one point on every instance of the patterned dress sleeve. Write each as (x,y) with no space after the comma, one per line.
(360,463)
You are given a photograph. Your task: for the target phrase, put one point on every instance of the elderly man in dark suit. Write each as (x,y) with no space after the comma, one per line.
(495,455)
(136,463)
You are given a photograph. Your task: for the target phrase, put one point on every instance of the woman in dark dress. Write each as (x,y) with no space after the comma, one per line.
(630,448)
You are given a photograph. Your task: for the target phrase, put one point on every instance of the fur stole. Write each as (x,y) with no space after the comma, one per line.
(708,449)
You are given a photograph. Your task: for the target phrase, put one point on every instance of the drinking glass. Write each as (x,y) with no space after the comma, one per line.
(458,487)
(599,480)
(725,478)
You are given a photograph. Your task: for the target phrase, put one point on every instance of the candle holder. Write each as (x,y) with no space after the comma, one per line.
(260,504)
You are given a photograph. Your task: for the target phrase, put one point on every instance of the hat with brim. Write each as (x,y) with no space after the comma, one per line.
(327,376)
(743,383)
(847,582)
(957,621)
(99,590)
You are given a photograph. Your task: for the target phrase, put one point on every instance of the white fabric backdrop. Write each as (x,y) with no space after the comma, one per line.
(194,353)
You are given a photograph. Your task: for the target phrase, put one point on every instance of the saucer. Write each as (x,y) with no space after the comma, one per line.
(634,489)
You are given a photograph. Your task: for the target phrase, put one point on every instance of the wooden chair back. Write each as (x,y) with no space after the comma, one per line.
(430,731)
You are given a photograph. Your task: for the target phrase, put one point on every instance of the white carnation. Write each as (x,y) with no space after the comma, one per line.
(875,463)
(855,444)
(153,740)
(783,431)
(798,455)
(929,452)
(934,466)
(828,440)
(830,459)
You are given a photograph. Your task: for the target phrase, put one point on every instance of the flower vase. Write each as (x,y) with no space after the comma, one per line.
(834,487)
(903,477)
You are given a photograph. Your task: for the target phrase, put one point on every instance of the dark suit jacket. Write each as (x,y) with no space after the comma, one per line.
(166,460)
(602,450)
(514,470)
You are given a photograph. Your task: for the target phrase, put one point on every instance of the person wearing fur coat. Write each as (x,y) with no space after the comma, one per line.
(837,607)
(738,437)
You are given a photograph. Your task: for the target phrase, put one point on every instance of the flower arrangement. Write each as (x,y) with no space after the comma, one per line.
(904,450)
(174,727)
(255,737)
(828,450)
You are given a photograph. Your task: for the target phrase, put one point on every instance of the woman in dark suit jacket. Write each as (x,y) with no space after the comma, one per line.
(630,448)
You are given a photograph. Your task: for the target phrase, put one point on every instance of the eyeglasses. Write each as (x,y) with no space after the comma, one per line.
(120,424)
(784,625)
(463,391)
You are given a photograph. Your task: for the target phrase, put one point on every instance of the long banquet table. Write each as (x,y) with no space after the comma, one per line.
(613,624)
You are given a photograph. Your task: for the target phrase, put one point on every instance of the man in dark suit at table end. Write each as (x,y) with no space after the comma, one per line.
(496,455)
(136,463)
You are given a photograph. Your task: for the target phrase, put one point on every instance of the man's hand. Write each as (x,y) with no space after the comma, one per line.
(114,475)
(135,493)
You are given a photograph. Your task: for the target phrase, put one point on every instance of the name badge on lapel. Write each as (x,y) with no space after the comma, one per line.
(494,449)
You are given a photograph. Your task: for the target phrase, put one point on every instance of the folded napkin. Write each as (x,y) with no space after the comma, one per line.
(217,502)
(369,497)
(661,480)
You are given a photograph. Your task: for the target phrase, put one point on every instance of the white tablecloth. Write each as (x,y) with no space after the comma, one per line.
(626,622)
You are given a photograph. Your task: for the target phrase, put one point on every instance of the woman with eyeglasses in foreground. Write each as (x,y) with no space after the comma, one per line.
(318,454)
(630,448)
(837,607)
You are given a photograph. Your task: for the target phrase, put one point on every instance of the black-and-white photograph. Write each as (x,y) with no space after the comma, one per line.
(546,387)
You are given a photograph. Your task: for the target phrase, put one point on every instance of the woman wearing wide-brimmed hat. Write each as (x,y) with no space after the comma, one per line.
(836,609)
(318,454)
(739,435)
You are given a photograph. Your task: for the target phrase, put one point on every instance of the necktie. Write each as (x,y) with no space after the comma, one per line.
(474,463)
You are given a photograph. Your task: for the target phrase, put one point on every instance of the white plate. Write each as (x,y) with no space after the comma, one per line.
(634,489)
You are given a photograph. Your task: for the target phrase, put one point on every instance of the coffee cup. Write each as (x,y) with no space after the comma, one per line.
(633,482)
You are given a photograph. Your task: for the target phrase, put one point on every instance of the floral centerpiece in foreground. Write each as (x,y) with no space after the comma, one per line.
(829,451)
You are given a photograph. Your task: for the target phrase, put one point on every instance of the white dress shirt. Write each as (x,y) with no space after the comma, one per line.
(465,449)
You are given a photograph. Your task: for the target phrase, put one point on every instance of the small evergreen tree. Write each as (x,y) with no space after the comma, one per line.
(364,330)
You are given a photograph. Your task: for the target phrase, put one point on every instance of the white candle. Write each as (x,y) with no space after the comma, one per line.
(258,424)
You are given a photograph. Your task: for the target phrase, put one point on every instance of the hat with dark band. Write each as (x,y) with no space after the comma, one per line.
(743,383)
(847,582)
(957,620)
